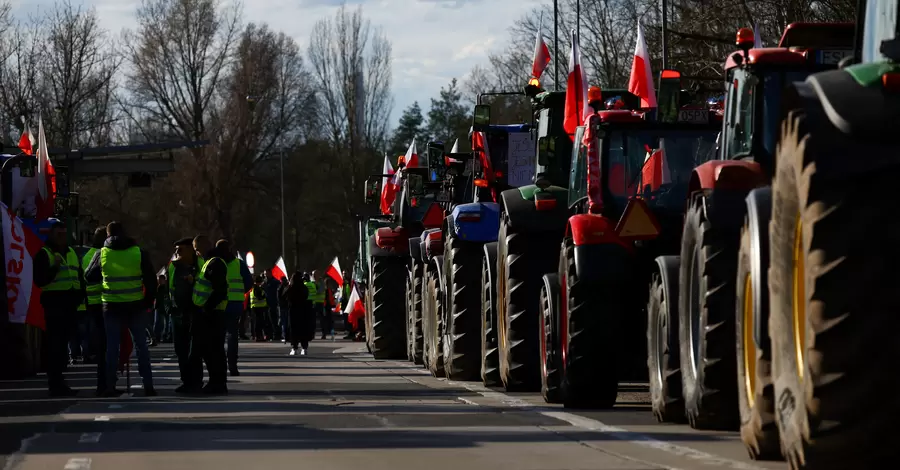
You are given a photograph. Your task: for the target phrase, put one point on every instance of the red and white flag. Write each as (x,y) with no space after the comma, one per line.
(411,159)
(388,189)
(541,52)
(280,270)
(576,91)
(355,308)
(334,272)
(46,176)
(20,245)
(641,81)
(26,142)
(455,148)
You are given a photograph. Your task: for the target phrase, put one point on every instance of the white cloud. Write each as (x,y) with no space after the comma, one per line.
(433,40)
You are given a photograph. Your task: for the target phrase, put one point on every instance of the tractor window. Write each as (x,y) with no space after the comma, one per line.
(740,118)
(773,87)
(578,172)
(880,24)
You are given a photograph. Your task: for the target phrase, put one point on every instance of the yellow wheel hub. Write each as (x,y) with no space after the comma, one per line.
(750,352)
(799,299)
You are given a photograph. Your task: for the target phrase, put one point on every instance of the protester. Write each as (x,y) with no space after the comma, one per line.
(317,296)
(57,271)
(237,286)
(161,311)
(271,285)
(181,273)
(260,310)
(211,296)
(129,287)
(302,318)
(345,298)
(94,309)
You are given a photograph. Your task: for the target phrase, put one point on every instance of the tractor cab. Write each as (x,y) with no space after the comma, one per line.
(756,78)
(503,158)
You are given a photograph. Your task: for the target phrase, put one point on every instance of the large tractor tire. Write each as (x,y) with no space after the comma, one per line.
(388,332)
(522,260)
(414,313)
(551,365)
(834,304)
(591,313)
(756,394)
(461,330)
(490,355)
(432,314)
(663,350)
(706,314)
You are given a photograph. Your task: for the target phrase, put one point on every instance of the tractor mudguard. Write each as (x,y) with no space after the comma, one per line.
(375,250)
(434,243)
(475,221)
(848,120)
(415,249)
(727,175)
(603,262)
(438,262)
(395,240)
(524,217)
(759,212)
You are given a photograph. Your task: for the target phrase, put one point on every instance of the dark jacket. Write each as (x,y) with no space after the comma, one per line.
(45,273)
(272,286)
(181,295)
(148,274)
(246,276)
(217,275)
(297,295)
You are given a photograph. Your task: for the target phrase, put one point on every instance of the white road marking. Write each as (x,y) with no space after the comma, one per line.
(167,358)
(78,463)
(18,456)
(90,438)
(101,418)
(467,401)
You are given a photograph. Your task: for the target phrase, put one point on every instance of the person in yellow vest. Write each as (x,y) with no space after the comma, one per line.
(318,300)
(238,285)
(182,272)
(129,287)
(211,297)
(94,309)
(259,305)
(57,271)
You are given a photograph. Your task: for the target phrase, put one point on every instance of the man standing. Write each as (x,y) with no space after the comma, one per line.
(129,287)
(182,273)
(57,271)
(211,296)
(345,297)
(202,246)
(161,311)
(317,296)
(235,307)
(271,285)
(95,310)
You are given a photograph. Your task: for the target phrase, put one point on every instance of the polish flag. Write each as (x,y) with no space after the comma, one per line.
(541,52)
(355,309)
(576,91)
(641,81)
(388,189)
(412,156)
(455,148)
(46,176)
(20,246)
(26,142)
(279,271)
(334,272)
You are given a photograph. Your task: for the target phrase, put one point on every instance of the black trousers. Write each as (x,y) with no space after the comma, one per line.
(261,327)
(61,322)
(209,339)
(190,358)
(98,334)
(326,319)
(303,326)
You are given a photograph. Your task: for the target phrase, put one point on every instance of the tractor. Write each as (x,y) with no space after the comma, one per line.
(698,300)
(832,283)
(624,200)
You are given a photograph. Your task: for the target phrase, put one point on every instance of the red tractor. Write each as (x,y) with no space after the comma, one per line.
(715,291)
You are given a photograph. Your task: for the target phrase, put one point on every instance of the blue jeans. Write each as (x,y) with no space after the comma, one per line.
(233,312)
(79,344)
(135,319)
(161,325)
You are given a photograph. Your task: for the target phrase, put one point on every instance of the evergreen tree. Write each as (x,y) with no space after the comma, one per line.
(411,125)
(448,118)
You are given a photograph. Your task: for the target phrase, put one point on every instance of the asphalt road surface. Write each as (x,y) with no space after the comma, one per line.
(338,409)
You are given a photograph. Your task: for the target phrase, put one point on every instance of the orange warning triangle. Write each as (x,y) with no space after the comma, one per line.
(637,222)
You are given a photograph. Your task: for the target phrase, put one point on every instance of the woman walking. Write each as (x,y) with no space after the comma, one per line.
(302,317)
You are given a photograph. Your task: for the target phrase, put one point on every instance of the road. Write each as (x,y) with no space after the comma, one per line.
(338,409)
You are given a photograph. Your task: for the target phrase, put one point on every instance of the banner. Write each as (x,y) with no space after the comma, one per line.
(20,245)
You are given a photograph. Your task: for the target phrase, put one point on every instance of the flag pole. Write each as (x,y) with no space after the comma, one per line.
(556,44)
(578,20)
(665,34)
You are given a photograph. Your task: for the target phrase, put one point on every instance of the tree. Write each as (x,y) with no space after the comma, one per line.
(411,126)
(448,119)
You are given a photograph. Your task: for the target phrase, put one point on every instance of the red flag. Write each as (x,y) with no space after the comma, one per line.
(26,142)
(412,156)
(280,270)
(388,190)
(641,81)
(541,52)
(576,91)
(46,175)
(21,245)
(334,272)
(355,308)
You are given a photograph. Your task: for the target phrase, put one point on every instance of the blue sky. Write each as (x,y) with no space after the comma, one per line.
(433,40)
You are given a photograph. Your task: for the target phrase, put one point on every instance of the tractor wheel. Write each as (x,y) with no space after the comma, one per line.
(833,297)
(662,355)
(550,360)
(434,358)
(522,260)
(388,335)
(490,356)
(368,318)
(591,314)
(756,394)
(460,325)
(706,323)
(409,318)
(414,295)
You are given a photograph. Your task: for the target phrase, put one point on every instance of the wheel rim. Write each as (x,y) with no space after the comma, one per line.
(544,335)
(749,343)
(799,298)
(694,314)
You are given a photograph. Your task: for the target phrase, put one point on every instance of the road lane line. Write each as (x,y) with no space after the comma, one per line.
(101,418)
(18,456)
(90,438)
(78,463)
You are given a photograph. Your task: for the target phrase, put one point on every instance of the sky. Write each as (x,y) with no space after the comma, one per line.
(433,40)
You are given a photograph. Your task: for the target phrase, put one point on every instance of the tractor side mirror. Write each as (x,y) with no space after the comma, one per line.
(373,190)
(546,150)
(481,118)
